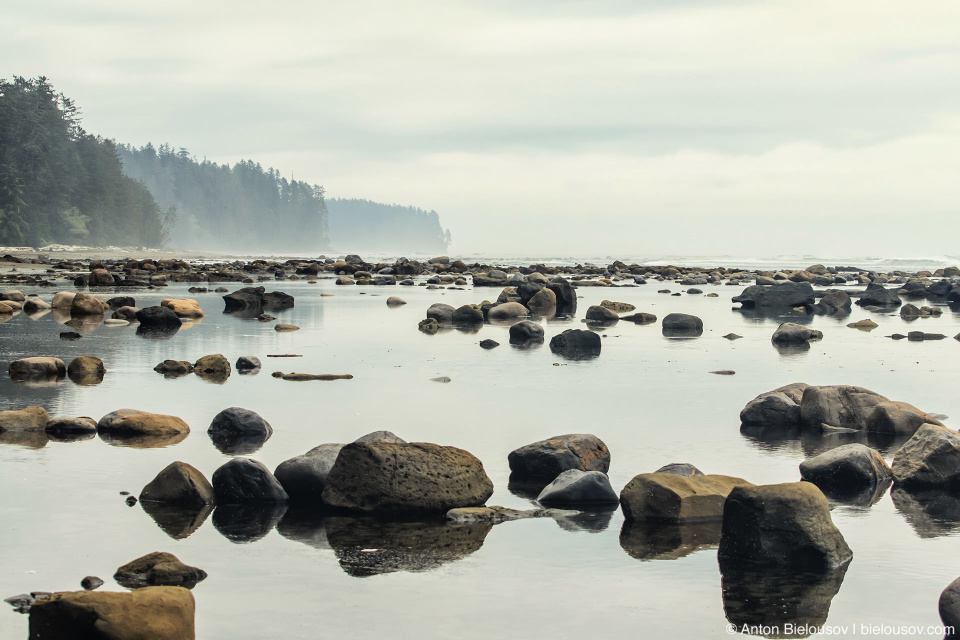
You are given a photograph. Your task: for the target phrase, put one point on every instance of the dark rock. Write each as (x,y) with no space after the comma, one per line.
(121,301)
(641,318)
(602,315)
(549,458)
(70,335)
(244,481)
(574,488)
(442,313)
(37,368)
(566,297)
(158,569)
(157,316)
(126,313)
(468,314)
(576,344)
(489,344)
(526,332)
(90,583)
(174,368)
(931,458)
(246,523)
(787,294)
(847,469)
(252,301)
(658,540)
(247,363)
(429,326)
(949,606)
(682,325)
(304,477)
(684,469)
(381,436)
(792,333)
(877,295)
(179,484)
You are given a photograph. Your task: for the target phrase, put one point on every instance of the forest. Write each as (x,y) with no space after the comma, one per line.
(372,226)
(59,184)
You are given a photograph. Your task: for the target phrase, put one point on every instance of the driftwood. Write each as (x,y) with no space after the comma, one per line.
(312,376)
(284,355)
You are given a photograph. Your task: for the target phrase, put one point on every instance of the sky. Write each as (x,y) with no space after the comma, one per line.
(560,127)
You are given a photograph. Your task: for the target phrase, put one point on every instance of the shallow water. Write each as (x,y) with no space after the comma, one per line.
(651,399)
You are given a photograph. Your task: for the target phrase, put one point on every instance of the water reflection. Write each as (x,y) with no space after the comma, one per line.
(304,524)
(932,513)
(243,523)
(668,541)
(858,497)
(177,521)
(142,441)
(586,521)
(367,547)
(235,444)
(28,439)
(157,332)
(791,438)
(526,487)
(779,601)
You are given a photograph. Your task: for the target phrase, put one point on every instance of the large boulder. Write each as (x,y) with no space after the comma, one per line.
(304,477)
(793,333)
(780,407)
(466,315)
(575,488)
(949,606)
(787,294)
(601,314)
(834,301)
(526,332)
(674,498)
(543,302)
(37,368)
(442,313)
(85,304)
(27,419)
(681,325)
(183,307)
(86,370)
(847,469)
(931,458)
(900,418)
(566,297)
(252,301)
(179,484)
(576,344)
(151,613)
(507,311)
(780,526)
(158,317)
(389,478)
(245,481)
(158,569)
(843,406)
(549,458)
(877,295)
(131,422)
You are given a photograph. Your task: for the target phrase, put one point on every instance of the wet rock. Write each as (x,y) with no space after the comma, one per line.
(158,613)
(549,458)
(118,302)
(489,344)
(617,307)
(429,326)
(266,317)
(834,302)
(863,325)
(576,344)
(70,335)
(304,477)
(900,418)
(63,300)
(183,307)
(784,526)
(244,481)
(931,458)
(27,419)
(285,327)
(86,370)
(602,315)
(574,488)
(468,314)
(381,436)
(848,469)
(792,333)
(249,302)
(877,295)
(732,336)
(13,295)
(388,478)
(179,484)
(543,302)
(681,325)
(247,363)
(674,498)
(566,297)
(158,317)
(125,313)
(920,336)
(778,407)
(62,427)
(909,312)
(238,431)
(949,606)
(37,368)
(526,332)
(394,301)
(158,569)
(35,305)
(174,368)
(842,406)
(684,469)
(507,311)
(785,295)
(85,304)
(442,313)
(131,422)
(215,366)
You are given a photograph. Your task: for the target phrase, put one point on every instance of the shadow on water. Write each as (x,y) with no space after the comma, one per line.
(243,523)
(526,487)
(176,521)
(304,523)
(779,604)
(585,521)
(775,315)
(779,438)
(667,540)
(29,439)
(863,497)
(932,513)
(367,547)
(233,444)
(157,332)
(140,441)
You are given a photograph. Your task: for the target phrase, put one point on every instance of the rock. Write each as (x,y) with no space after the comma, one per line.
(388,478)
(13,295)
(931,458)
(838,406)
(245,481)
(100,278)
(9,307)
(27,419)
(641,318)
(847,469)
(442,313)
(920,336)
(466,315)
(35,305)
(787,294)
(131,422)
(877,295)
(345,280)
(681,325)
(183,307)
(239,422)
(863,325)
(617,307)
(252,301)
(576,344)
(285,327)
(121,301)
(566,297)
(304,477)
(526,332)
(489,344)
(603,315)
(174,368)
(507,311)
(158,569)
(70,335)
(63,300)
(949,606)
(90,583)
(781,525)
(85,367)
(429,326)
(125,313)
(792,333)
(266,317)
(394,301)
(179,484)
(157,317)
(724,372)
(37,368)
(575,488)
(85,304)
(543,302)
(213,365)
(549,458)
(674,498)
(381,436)
(834,301)
(900,418)
(909,312)
(732,336)
(157,613)
(684,469)
(247,363)
(443,379)
(70,426)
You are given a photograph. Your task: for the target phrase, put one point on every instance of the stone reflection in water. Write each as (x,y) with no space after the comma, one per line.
(589,521)
(157,332)
(367,547)
(233,444)
(668,541)
(140,441)
(784,438)
(177,521)
(243,523)
(30,439)
(304,523)
(526,487)
(931,512)
(864,497)
(779,600)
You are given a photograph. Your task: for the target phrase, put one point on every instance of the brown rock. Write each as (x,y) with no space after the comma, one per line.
(674,498)
(37,367)
(85,304)
(181,484)
(27,419)
(158,569)
(549,458)
(183,307)
(133,422)
(898,417)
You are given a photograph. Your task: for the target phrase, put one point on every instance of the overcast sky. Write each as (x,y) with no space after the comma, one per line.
(560,127)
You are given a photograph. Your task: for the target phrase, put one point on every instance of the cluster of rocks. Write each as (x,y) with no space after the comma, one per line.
(83,370)
(212,368)
(124,427)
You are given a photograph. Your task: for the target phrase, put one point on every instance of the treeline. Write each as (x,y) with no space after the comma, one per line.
(59,184)
(240,208)
(371,226)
